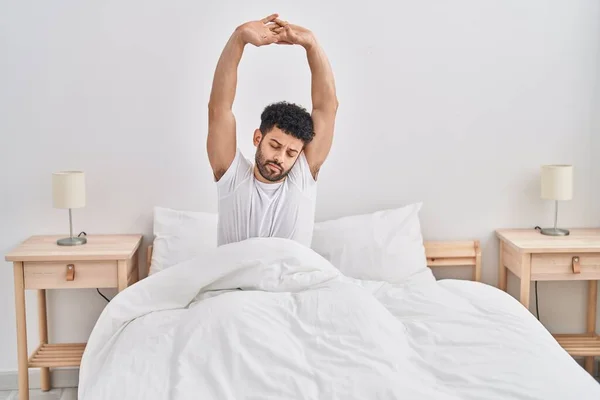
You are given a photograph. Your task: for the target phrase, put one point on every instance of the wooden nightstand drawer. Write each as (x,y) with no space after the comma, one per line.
(59,275)
(565,266)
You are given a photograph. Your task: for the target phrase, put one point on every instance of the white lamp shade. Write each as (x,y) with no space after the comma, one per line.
(557,182)
(68,189)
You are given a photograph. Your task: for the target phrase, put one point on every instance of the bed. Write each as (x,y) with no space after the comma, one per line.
(267,318)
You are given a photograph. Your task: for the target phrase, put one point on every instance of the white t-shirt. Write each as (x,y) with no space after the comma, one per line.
(250,208)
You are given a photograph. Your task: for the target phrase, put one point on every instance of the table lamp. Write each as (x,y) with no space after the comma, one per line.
(557,184)
(68,191)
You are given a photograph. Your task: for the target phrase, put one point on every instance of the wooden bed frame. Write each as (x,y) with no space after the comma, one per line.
(439,254)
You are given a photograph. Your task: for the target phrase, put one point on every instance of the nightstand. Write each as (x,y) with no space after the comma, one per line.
(105,261)
(532,256)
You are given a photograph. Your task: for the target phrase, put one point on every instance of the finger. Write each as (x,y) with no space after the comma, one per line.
(272,26)
(273,39)
(280,22)
(279,29)
(282,40)
(270,18)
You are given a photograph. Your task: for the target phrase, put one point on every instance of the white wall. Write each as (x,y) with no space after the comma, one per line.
(453,103)
(595,183)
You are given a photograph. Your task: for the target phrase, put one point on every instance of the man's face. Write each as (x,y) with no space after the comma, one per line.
(276,153)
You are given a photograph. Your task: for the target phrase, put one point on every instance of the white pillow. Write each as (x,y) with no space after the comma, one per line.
(386,245)
(180,236)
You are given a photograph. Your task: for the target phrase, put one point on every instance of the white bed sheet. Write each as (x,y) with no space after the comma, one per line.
(301,330)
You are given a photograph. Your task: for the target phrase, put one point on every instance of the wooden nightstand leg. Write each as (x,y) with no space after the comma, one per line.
(591,319)
(136,267)
(525,279)
(43,326)
(502,277)
(22,356)
(121,275)
(477,267)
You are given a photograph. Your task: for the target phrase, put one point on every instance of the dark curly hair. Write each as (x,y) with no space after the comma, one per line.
(290,118)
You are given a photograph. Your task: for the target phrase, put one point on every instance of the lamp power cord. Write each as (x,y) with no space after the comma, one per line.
(98,290)
(537,308)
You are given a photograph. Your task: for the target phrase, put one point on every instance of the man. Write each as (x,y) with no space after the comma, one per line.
(274,196)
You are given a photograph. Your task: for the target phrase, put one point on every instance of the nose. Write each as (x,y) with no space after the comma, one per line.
(278,158)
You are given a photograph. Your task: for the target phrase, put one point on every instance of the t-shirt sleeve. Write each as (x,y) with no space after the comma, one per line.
(300,174)
(239,170)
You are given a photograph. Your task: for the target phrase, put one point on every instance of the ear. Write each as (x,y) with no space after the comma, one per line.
(257,137)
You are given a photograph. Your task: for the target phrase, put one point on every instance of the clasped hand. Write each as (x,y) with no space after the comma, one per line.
(271,30)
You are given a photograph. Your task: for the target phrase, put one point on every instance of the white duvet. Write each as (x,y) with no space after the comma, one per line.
(270,319)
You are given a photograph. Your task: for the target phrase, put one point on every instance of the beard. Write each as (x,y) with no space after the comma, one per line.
(264,169)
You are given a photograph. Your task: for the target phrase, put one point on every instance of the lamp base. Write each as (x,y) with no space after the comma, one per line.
(555,232)
(71,241)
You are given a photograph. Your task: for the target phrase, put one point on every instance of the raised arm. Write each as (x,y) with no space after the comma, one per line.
(221,141)
(324,98)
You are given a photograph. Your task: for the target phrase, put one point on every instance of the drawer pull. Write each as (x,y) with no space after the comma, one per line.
(575,265)
(70,272)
